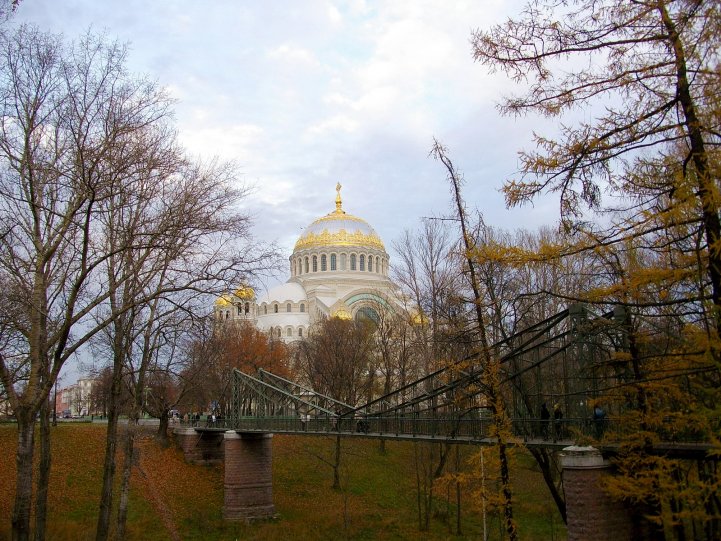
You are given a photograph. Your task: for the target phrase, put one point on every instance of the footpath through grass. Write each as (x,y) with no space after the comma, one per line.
(172,500)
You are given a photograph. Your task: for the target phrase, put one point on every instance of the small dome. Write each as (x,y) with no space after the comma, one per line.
(223,301)
(245,293)
(418,318)
(342,313)
(339,229)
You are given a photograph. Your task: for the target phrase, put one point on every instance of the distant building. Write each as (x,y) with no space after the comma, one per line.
(76,400)
(339,268)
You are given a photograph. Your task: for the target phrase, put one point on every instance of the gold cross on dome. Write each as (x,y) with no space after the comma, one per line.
(338,201)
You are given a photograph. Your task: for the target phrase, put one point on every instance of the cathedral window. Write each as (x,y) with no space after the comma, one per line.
(240,310)
(265,309)
(352,262)
(300,332)
(275,308)
(332,262)
(302,307)
(362,263)
(323,262)
(247,307)
(370,263)
(306,265)
(289,332)
(287,307)
(315,263)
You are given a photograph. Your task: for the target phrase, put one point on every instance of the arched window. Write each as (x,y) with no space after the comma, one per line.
(300,332)
(287,307)
(362,262)
(352,262)
(247,307)
(315,263)
(302,307)
(342,261)
(306,265)
(370,263)
(275,308)
(240,309)
(289,332)
(265,309)
(227,315)
(332,262)
(323,261)
(298,268)
(366,313)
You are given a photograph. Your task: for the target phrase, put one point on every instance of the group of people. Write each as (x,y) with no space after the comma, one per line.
(194,419)
(599,421)
(546,422)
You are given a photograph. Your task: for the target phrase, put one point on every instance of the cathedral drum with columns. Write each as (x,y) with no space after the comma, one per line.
(339,268)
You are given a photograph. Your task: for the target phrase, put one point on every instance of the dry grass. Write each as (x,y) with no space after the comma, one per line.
(174,500)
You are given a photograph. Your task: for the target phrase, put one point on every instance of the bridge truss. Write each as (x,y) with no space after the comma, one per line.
(565,361)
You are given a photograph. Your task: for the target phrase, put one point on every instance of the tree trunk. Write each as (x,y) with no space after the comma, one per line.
(458,490)
(41,495)
(336,464)
(162,435)
(24,476)
(129,446)
(382,446)
(706,188)
(546,466)
(111,442)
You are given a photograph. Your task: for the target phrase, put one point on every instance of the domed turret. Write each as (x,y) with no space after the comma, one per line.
(339,242)
(339,229)
(245,293)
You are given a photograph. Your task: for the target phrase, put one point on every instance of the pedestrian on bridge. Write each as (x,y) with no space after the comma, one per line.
(557,422)
(545,420)
(599,420)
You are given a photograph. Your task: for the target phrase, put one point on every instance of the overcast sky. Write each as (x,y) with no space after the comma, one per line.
(302,94)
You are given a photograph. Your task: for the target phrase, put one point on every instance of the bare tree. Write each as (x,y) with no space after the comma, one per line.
(66,113)
(184,239)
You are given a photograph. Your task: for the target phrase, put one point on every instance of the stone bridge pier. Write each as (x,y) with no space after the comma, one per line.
(591,514)
(248,476)
(200,447)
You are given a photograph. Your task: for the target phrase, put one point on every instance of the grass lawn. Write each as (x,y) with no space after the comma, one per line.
(173,500)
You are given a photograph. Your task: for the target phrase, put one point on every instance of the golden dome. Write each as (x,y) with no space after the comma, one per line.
(223,301)
(418,318)
(342,313)
(245,292)
(339,229)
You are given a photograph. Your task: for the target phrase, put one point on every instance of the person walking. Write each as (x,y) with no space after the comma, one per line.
(557,422)
(545,421)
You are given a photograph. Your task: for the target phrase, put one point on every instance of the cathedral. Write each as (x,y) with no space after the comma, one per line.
(339,268)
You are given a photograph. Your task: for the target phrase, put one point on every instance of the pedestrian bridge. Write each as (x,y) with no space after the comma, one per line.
(567,362)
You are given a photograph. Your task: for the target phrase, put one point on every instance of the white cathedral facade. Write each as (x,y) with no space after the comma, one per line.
(339,268)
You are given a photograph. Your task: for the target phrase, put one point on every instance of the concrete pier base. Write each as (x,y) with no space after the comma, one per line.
(248,476)
(591,514)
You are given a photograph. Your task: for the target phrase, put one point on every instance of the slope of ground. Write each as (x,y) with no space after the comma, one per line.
(172,500)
